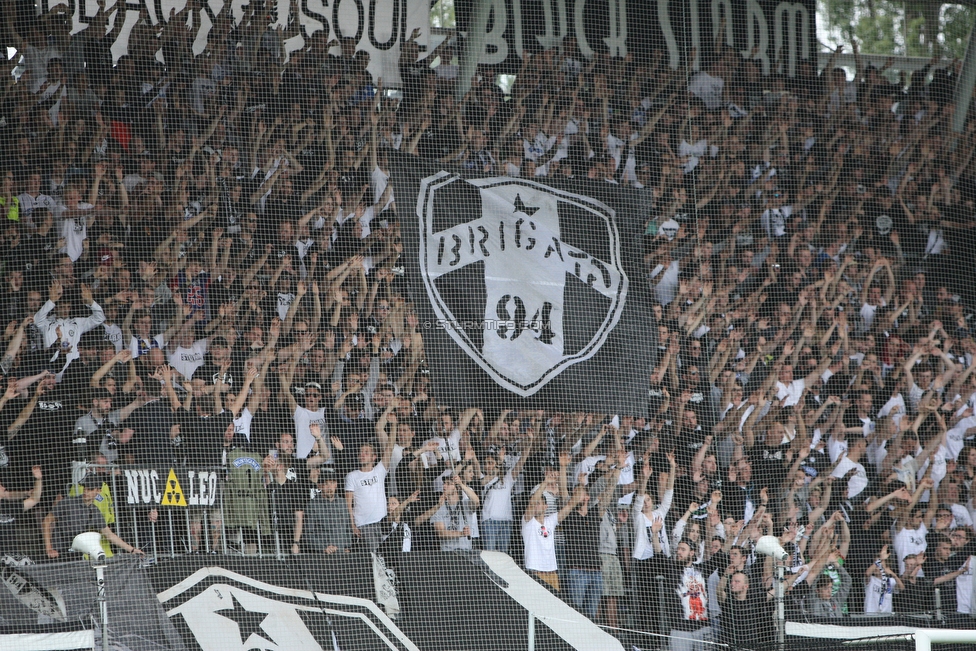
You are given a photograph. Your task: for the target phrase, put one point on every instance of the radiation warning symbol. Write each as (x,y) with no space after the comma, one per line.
(174,494)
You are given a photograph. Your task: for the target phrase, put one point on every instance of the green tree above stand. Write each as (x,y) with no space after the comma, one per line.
(896,28)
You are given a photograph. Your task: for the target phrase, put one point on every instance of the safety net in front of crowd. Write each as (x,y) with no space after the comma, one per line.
(649,328)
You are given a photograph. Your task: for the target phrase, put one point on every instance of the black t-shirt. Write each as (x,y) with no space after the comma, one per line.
(13,305)
(353,435)
(290,497)
(746,623)
(689,442)
(769,465)
(267,426)
(76,381)
(583,540)
(233,378)
(16,455)
(152,423)
(933,569)
(52,421)
(203,438)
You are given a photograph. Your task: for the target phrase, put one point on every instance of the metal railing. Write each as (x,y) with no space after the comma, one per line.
(153,505)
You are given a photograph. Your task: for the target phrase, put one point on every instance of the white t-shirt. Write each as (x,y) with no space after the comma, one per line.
(895,406)
(916,393)
(909,541)
(28,203)
(960,516)
(540,543)
(304,441)
(380,180)
(113,333)
(791,392)
(955,437)
(187,360)
(242,424)
(283,304)
(964,588)
(446,447)
(877,595)
(585,467)
(667,282)
(858,481)
(369,494)
(496,498)
(74,230)
(867,315)
(643,543)
(836,448)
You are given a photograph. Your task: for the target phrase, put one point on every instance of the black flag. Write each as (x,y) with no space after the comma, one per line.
(529,294)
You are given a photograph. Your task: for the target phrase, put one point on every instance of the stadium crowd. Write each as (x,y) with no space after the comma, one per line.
(201,266)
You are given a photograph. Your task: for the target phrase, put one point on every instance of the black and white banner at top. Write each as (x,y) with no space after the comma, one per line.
(528,294)
(379,26)
(781,33)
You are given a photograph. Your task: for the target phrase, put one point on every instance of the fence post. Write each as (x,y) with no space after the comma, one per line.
(223,520)
(206,530)
(780,606)
(115,501)
(531,631)
(662,598)
(135,526)
(189,531)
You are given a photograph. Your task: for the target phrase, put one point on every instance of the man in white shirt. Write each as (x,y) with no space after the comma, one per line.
(923,378)
(188,354)
(77,216)
(791,390)
(63,330)
(850,467)
(312,412)
(912,524)
(366,491)
(776,216)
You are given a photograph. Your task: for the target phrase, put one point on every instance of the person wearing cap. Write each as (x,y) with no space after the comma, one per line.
(326,528)
(313,411)
(76,515)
